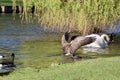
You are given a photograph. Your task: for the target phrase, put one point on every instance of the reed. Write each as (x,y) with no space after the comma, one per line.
(74,15)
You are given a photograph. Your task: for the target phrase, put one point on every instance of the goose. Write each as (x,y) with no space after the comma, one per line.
(100,42)
(4,65)
(2,57)
(70,48)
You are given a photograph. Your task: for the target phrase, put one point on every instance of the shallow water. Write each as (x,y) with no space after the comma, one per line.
(36,47)
(31,44)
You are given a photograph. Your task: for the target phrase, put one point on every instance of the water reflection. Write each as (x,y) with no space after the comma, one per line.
(13,33)
(93,50)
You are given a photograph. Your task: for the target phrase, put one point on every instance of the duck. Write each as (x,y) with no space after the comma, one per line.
(100,42)
(9,64)
(69,48)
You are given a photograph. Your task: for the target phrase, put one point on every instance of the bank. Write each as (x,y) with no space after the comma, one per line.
(94,69)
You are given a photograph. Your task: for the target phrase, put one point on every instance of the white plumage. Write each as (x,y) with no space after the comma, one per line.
(100,42)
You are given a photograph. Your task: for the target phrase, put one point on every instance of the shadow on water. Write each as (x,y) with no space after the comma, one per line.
(5,74)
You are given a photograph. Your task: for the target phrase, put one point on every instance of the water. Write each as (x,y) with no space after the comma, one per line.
(16,36)
(36,47)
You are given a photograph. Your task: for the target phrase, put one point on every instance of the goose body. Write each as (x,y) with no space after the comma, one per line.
(4,65)
(74,45)
(100,42)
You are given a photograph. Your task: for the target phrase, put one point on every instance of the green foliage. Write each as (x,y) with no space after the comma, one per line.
(80,15)
(10,2)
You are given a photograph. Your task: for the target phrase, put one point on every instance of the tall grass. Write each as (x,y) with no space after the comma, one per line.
(74,15)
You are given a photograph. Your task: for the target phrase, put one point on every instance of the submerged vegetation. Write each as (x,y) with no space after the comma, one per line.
(74,15)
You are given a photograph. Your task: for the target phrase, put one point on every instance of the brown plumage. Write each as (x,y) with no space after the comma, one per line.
(70,48)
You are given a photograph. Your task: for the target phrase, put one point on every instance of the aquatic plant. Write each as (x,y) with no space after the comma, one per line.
(74,15)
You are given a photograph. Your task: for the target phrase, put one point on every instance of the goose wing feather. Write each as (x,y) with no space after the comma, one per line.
(64,39)
(81,41)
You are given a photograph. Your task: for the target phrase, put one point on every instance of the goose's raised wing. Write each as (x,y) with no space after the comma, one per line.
(64,39)
(81,41)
